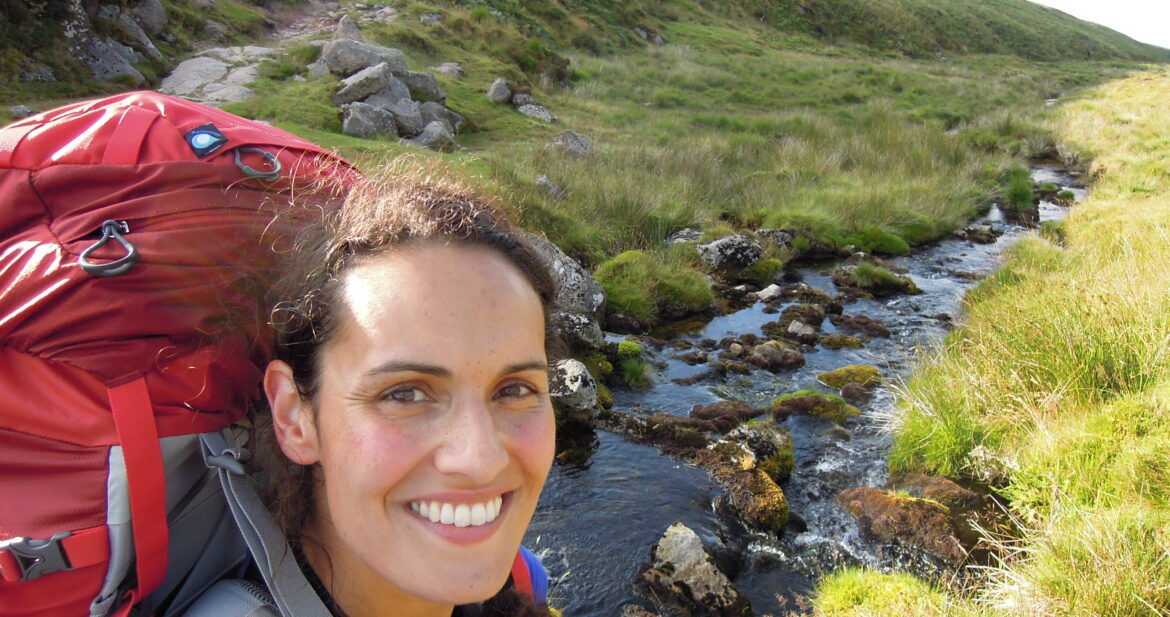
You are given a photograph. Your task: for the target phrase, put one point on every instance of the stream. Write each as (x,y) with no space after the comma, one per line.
(597,521)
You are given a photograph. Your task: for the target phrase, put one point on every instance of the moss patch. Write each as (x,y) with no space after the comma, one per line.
(863,374)
(813,403)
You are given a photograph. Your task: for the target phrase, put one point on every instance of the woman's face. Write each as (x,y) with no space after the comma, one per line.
(433,428)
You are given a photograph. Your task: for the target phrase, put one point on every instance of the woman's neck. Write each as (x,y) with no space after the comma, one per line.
(358,591)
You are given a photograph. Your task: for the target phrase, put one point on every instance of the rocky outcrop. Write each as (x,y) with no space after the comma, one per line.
(731,253)
(218,75)
(682,579)
(577,290)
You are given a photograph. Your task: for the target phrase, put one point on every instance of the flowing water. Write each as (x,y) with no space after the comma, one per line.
(597,521)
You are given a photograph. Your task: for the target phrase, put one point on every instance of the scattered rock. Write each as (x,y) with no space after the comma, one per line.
(579,331)
(434,136)
(539,112)
(39,71)
(571,386)
(773,356)
(363,83)
(980,234)
(364,120)
(408,117)
(346,57)
(432,111)
(423,86)
(682,579)
(769,293)
(431,18)
(20,111)
(548,187)
(394,91)
(863,374)
(800,331)
(346,29)
(499,92)
(572,142)
(685,235)
(107,64)
(523,98)
(734,252)
(151,16)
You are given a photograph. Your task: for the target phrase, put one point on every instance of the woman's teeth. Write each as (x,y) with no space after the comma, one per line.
(459,515)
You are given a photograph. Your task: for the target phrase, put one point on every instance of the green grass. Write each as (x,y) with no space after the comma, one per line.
(638,285)
(1057,388)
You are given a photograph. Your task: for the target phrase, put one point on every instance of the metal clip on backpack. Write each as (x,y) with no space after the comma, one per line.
(130,227)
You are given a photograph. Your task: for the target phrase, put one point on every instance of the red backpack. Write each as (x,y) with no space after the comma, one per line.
(130,230)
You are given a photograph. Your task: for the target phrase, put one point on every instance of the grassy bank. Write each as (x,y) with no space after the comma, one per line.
(1057,388)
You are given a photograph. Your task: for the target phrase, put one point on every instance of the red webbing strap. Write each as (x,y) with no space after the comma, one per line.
(521,579)
(126,143)
(82,548)
(88,546)
(134,419)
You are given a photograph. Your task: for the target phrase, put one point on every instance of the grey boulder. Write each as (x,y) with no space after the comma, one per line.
(362,120)
(346,57)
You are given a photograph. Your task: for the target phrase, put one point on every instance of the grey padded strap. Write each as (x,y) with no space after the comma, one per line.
(293,594)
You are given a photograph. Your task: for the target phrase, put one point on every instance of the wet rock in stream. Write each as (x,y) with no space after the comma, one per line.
(908,521)
(682,579)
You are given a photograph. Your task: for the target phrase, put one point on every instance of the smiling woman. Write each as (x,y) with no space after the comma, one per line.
(411,429)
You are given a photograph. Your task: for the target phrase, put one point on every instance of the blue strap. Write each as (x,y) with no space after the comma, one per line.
(539,577)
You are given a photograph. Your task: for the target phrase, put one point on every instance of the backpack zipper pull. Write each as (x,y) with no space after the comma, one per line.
(110,229)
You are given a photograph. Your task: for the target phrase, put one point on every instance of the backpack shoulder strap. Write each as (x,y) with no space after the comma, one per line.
(529,576)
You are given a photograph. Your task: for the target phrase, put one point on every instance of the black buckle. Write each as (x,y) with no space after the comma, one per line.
(36,558)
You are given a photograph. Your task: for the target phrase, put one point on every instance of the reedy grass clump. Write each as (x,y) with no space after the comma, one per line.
(1057,389)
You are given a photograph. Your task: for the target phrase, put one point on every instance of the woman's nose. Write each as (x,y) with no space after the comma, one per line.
(471,443)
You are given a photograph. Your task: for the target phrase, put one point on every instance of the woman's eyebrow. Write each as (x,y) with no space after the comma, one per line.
(406,366)
(520,367)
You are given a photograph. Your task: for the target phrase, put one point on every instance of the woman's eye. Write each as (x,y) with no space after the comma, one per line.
(516,390)
(407,395)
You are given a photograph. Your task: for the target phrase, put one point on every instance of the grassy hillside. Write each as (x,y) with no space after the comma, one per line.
(1058,389)
(731,125)
(915,28)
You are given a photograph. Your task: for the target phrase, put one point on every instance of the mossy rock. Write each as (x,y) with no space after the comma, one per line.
(758,500)
(813,403)
(629,349)
(874,279)
(840,341)
(604,396)
(779,466)
(863,374)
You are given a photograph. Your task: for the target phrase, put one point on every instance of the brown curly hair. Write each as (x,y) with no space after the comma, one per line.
(405,204)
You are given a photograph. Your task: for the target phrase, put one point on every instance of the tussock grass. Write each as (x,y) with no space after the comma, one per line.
(1057,388)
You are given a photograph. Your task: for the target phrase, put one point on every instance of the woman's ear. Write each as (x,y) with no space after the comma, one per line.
(292,415)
